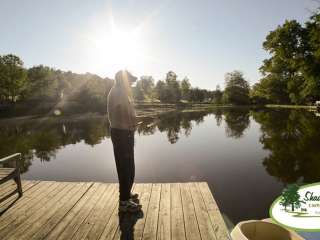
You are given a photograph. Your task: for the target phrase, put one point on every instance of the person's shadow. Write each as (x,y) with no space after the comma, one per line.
(126,224)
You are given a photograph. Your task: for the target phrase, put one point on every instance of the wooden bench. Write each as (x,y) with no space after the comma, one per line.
(8,173)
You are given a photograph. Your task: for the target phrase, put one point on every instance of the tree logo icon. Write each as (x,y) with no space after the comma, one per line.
(291,197)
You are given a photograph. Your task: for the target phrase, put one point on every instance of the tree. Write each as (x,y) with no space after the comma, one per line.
(197,95)
(160,90)
(291,74)
(144,88)
(217,95)
(173,88)
(237,89)
(138,92)
(290,196)
(12,78)
(185,88)
(147,85)
(42,84)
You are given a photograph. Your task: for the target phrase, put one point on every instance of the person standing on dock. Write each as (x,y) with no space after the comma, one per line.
(122,118)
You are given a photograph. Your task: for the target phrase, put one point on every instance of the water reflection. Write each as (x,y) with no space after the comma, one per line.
(42,138)
(292,137)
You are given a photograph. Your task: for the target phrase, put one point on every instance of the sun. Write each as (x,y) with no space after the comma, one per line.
(117,48)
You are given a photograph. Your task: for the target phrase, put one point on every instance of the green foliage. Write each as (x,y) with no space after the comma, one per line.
(12,78)
(168,91)
(42,83)
(237,89)
(138,92)
(161,90)
(173,91)
(144,88)
(185,88)
(292,73)
(147,85)
(217,95)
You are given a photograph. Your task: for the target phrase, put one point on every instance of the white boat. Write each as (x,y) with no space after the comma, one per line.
(262,230)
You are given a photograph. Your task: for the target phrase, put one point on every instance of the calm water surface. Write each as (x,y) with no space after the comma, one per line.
(246,156)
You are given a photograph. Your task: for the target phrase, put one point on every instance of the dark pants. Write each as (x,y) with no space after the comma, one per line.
(123,148)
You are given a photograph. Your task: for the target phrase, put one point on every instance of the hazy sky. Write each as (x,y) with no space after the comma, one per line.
(201,39)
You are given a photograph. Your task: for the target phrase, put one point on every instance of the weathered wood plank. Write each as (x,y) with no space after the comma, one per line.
(144,200)
(30,194)
(29,205)
(93,217)
(177,221)
(4,205)
(7,185)
(217,222)
(82,210)
(164,223)
(203,219)
(31,213)
(35,221)
(151,224)
(190,220)
(112,225)
(61,209)
(71,215)
(109,208)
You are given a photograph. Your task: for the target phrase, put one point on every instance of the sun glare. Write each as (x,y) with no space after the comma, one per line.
(117,48)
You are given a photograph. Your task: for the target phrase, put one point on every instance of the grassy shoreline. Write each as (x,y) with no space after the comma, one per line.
(291,106)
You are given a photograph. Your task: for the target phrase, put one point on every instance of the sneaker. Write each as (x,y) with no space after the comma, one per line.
(135,198)
(129,206)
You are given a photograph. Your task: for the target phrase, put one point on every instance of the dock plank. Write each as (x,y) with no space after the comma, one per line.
(87,224)
(177,221)
(144,200)
(31,216)
(214,213)
(204,223)
(190,220)
(61,209)
(79,210)
(97,229)
(151,224)
(164,224)
(38,219)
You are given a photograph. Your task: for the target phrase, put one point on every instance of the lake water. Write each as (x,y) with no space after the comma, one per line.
(246,156)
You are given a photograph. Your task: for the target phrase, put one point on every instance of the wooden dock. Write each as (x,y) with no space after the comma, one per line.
(86,210)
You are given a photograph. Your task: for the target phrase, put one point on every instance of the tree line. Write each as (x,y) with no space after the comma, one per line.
(45,85)
(171,90)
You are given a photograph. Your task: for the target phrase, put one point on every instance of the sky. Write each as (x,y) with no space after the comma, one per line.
(198,39)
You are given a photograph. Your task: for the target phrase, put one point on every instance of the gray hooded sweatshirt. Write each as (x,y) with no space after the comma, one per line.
(121,111)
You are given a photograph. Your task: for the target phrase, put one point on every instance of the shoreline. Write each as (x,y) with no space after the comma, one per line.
(153,110)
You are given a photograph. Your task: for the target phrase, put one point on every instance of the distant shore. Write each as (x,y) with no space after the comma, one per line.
(291,106)
(149,110)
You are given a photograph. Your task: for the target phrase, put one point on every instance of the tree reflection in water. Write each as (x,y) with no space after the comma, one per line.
(290,136)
